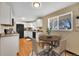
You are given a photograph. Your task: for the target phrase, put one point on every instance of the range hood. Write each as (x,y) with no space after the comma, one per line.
(12,23)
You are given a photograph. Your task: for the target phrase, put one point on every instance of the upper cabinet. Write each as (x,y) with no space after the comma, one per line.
(5,14)
(34,24)
(39,22)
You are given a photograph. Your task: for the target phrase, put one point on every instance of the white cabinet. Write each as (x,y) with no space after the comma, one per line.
(39,23)
(37,36)
(28,25)
(9,45)
(25,33)
(34,25)
(28,34)
(5,14)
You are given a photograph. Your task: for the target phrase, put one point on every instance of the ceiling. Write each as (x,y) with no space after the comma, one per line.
(24,11)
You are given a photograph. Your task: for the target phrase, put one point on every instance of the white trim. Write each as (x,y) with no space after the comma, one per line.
(58,21)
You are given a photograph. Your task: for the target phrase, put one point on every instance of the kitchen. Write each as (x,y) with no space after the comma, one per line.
(9,36)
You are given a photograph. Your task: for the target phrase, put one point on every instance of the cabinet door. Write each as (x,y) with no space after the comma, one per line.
(5,15)
(37,35)
(25,33)
(28,34)
(9,46)
(39,23)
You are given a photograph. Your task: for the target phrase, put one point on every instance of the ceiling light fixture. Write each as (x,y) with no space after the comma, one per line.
(36,4)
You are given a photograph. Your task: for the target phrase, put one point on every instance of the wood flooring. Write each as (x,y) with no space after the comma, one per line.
(25,47)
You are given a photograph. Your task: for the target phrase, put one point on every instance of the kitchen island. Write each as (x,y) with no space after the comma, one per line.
(9,44)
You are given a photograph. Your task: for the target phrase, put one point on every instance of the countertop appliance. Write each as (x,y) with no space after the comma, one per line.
(8,31)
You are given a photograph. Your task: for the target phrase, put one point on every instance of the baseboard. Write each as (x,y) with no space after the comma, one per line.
(72,53)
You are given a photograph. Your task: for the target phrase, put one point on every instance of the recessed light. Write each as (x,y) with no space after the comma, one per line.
(36,4)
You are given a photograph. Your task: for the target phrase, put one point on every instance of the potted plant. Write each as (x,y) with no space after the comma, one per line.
(49,30)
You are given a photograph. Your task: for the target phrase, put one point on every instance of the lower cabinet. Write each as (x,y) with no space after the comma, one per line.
(37,36)
(28,34)
(9,46)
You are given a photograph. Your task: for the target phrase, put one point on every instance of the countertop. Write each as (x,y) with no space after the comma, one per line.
(8,35)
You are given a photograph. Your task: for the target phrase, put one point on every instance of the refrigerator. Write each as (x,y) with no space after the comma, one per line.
(20,30)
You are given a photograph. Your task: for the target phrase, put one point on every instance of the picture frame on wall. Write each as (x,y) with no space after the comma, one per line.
(53,23)
(66,22)
(63,22)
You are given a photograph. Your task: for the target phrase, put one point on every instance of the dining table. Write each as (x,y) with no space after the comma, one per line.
(51,40)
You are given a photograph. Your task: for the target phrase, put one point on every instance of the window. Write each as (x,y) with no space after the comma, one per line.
(62,22)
